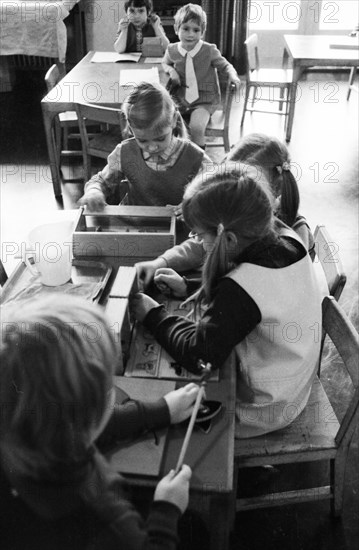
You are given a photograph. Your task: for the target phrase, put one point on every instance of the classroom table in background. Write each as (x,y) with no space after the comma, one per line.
(311,51)
(87,82)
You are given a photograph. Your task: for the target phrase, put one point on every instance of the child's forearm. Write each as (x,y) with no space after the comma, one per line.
(159,31)
(121,42)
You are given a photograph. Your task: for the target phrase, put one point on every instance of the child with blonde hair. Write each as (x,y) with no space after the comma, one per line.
(157,162)
(57,409)
(192,65)
(140,22)
(258,304)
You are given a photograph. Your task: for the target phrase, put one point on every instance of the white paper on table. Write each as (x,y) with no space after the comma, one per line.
(130,77)
(114,57)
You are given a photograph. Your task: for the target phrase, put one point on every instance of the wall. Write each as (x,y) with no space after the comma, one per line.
(101,20)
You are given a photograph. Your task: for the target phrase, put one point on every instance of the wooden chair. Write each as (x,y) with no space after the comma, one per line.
(326,250)
(103,143)
(316,434)
(66,121)
(218,126)
(258,79)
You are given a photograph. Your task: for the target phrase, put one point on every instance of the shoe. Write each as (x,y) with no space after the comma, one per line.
(208,410)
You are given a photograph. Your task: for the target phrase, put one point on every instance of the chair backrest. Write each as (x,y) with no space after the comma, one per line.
(53,77)
(251,46)
(327,252)
(104,115)
(346,340)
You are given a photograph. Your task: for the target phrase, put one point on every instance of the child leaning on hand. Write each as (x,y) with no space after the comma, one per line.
(192,65)
(139,22)
(58,410)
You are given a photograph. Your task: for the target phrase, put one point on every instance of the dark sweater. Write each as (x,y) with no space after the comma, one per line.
(88,506)
(231,316)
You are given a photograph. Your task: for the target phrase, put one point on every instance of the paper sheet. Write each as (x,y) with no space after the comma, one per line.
(130,77)
(114,57)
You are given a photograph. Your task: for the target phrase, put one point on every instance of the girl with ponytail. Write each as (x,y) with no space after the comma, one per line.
(257,301)
(271,157)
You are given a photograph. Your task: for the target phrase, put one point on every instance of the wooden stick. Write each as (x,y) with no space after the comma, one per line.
(189,429)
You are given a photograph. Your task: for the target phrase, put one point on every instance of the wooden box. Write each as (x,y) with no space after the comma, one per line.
(117,312)
(132,232)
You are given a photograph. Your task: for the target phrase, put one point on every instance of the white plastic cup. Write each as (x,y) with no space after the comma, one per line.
(50,246)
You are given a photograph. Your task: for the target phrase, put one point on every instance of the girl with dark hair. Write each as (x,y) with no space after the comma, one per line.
(258,305)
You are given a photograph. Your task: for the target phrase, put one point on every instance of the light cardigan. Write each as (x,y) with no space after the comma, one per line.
(206,63)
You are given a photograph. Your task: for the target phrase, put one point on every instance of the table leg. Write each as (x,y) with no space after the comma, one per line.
(221,518)
(297,71)
(48,117)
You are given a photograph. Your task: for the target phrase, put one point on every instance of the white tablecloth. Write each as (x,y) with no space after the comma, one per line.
(34,28)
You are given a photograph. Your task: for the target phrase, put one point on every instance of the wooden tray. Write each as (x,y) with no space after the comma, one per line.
(88,279)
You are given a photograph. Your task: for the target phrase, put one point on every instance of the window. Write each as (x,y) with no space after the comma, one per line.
(339,15)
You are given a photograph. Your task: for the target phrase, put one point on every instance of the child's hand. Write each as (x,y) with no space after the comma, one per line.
(123,24)
(165,278)
(141,304)
(147,270)
(175,77)
(94,200)
(181,402)
(177,210)
(235,80)
(175,488)
(155,21)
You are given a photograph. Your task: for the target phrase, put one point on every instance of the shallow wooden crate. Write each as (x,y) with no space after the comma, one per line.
(139,232)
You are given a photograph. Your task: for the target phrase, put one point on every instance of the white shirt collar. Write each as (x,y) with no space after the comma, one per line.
(192,52)
(164,155)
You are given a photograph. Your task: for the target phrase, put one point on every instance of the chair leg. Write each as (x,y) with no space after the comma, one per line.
(226,143)
(337,467)
(254,95)
(66,137)
(281,95)
(246,96)
(351,80)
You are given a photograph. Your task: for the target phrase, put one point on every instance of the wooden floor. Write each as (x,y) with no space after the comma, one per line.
(324,149)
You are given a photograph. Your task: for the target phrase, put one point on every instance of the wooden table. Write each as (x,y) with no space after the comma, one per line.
(309,51)
(86,83)
(209,455)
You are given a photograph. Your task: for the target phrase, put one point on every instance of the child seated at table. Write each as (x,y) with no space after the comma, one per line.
(258,305)
(58,404)
(271,157)
(192,65)
(157,162)
(139,23)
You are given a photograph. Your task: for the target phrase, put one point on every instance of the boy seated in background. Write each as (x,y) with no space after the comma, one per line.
(139,23)
(57,406)
(192,65)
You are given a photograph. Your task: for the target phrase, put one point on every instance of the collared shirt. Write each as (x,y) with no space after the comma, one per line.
(192,52)
(161,163)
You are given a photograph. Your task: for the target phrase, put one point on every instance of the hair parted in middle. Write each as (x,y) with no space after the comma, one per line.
(190,12)
(138,4)
(236,200)
(151,106)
